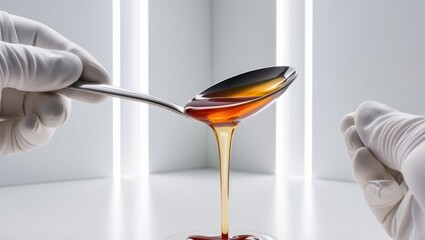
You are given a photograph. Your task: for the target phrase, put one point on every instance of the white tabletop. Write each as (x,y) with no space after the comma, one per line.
(169,203)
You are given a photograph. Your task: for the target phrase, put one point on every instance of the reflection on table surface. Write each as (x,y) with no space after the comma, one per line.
(170,203)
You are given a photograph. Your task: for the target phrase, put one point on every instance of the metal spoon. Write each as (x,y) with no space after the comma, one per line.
(289,74)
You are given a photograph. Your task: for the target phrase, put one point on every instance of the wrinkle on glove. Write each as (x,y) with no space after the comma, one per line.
(388,133)
(28,68)
(36,64)
(22,135)
(388,156)
(31,120)
(26,32)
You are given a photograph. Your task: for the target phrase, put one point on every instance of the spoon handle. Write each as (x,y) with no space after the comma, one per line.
(108,90)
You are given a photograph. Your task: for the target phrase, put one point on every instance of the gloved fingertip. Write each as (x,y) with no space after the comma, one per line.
(363,153)
(92,72)
(366,167)
(346,122)
(92,69)
(51,108)
(31,133)
(29,125)
(370,111)
(352,141)
(69,68)
(54,111)
(54,115)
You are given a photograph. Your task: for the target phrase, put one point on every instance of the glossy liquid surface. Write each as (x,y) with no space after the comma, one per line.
(222,107)
(232,106)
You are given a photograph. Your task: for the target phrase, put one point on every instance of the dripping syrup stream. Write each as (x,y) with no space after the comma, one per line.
(224,135)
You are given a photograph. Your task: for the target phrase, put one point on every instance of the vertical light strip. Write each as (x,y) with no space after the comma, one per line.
(308,128)
(280,51)
(116,75)
(281,186)
(144,85)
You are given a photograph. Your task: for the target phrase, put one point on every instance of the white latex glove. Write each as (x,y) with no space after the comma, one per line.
(387,149)
(35,61)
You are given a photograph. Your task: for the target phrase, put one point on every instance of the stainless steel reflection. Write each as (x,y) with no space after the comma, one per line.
(108,90)
(289,74)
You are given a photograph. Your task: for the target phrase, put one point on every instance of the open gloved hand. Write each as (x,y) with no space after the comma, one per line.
(387,149)
(36,63)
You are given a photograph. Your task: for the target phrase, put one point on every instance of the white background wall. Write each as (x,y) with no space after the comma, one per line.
(244,39)
(363,50)
(179,68)
(194,44)
(83,147)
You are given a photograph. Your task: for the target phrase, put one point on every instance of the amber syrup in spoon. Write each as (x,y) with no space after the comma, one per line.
(222,107)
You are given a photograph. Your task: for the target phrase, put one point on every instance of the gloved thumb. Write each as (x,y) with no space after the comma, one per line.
(34,69)
(383,193)
(392,206)
(382,196)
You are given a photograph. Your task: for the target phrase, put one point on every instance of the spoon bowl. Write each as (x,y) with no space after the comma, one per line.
(241,96)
